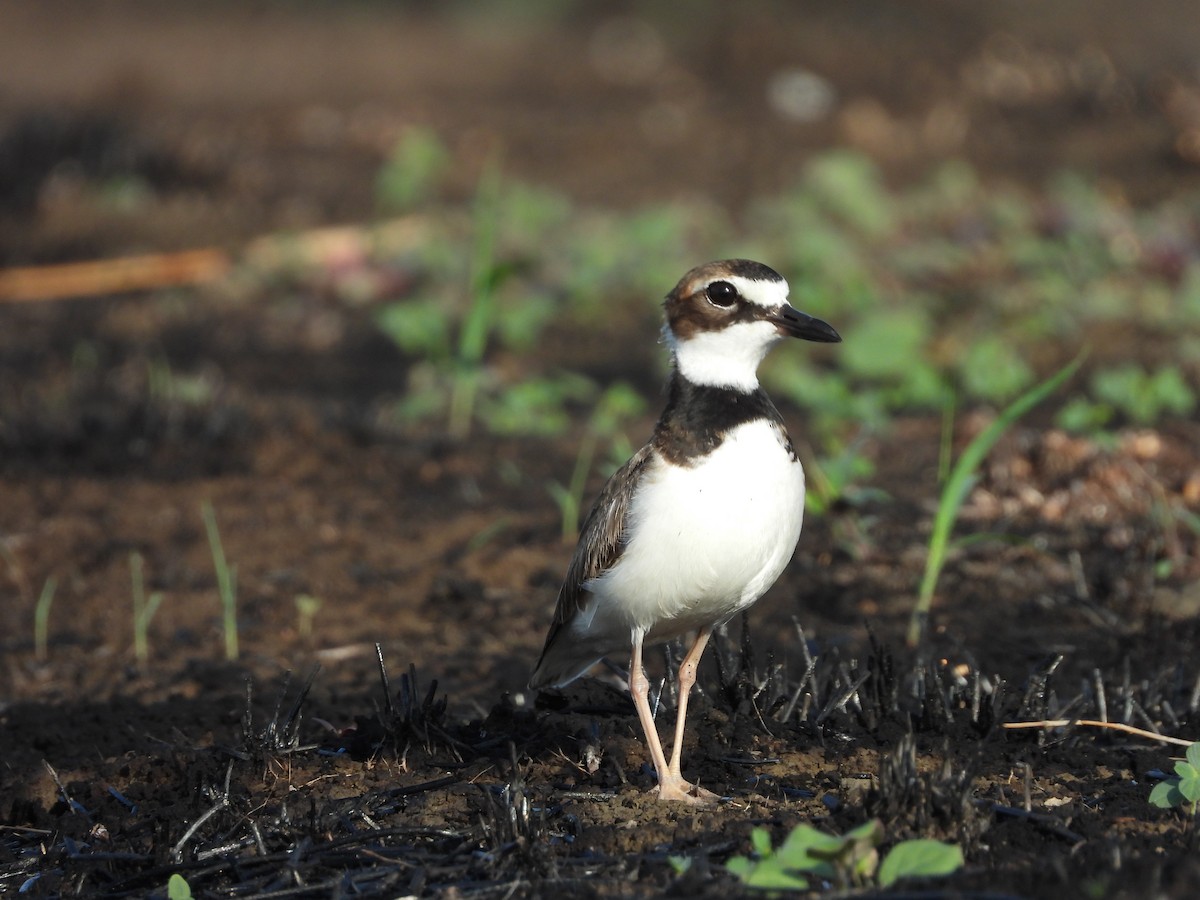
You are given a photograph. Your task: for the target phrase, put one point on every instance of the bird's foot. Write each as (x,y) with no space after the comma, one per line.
(685,792)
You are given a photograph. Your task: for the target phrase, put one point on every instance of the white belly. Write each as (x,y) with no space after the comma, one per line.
(703,542)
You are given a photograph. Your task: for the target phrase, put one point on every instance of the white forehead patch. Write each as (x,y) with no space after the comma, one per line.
(768,294)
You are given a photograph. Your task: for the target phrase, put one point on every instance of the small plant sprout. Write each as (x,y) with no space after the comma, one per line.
(41,619)
(143,610)
(963,476)
(849,861)
(226,581)
(1181,790)
(486,276)
(454,341)
(680,865)
(413,171)
(178,888)
(306,610)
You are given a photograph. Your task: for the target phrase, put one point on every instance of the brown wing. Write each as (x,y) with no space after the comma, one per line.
(598,550)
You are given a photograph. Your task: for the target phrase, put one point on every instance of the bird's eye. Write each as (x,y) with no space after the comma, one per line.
(722,293)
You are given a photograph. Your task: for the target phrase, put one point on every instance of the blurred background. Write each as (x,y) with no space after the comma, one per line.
(135,125)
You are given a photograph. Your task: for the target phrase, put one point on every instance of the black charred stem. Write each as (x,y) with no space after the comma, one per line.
(410,716)
(282,732)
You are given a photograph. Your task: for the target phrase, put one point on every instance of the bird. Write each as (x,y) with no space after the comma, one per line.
(703,519)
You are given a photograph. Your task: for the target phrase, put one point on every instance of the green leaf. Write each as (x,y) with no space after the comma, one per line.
(768,874)
(521,323)
(419,327)
(740,866)
(808,850)
(1166,794)
(849,185)
(961,477)
(178,888)
(1193,755)
(885,345)
(994,370)
(1080,415)
(919,859)
(679,864)
(413,171)
(1189,781)
(760,840)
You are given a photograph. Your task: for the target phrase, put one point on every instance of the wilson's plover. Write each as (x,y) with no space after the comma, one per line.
(703,519)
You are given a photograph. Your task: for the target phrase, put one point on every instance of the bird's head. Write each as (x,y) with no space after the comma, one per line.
(723,317)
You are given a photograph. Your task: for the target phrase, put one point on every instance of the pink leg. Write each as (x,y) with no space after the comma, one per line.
(671,785)
(687,678)
(639,688)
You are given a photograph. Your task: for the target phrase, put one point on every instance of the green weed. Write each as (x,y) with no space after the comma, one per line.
(41,619)
(178,888)
(452,339)
(413,173)
(485,277)
(226,581)
(169,387)
(143,610)
(948,286)
(1130,392)
(306,611)
(848,861)
(962,478)
(1182,790)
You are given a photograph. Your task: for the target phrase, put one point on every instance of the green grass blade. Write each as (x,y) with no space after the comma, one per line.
(962,478)
(226,581)
(472,339)
(140,622)
(41,619)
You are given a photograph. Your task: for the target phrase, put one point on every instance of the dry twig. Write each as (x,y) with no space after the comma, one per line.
(1092,723)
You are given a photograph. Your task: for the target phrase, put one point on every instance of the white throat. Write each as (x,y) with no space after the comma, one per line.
(727,358)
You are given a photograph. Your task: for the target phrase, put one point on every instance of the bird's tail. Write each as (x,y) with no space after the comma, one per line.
(562,662)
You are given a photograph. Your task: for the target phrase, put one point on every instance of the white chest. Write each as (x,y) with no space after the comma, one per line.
(707,540)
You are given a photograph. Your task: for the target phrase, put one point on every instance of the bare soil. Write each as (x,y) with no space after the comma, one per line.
(247,118)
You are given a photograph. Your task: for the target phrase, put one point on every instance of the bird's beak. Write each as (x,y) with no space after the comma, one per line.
(794,323)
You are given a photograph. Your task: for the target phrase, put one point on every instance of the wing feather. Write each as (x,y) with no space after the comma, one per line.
(600,546)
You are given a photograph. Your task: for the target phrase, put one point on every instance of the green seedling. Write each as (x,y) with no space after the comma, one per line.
(306,610)
(413,172)
(485,277)
(850,187)
(143,610)
(962,478)
(849,861)
(995,369)
(178,888)
(616,405)
(535,406)
(41,619)
(1182,790)
(680,865)
(451,377)
(226,581)
(1141,396)
(167,386)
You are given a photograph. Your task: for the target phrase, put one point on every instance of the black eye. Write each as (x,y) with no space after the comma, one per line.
(722,293)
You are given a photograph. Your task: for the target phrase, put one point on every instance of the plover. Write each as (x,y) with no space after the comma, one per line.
(702,520)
